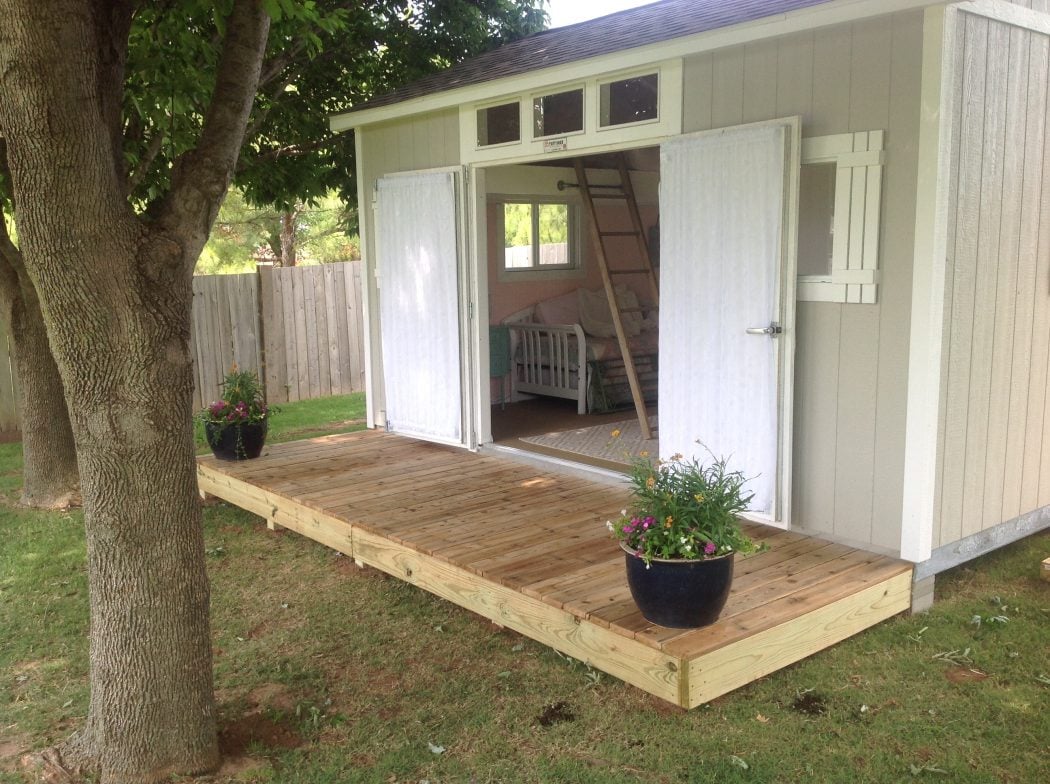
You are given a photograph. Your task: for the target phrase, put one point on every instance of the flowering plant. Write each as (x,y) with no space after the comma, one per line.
(242,401)
(683,509)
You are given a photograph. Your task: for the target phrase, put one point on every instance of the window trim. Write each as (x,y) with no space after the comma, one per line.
(623,78)
(859,159)
(536,272)
(667,125)
(501,145)
(530,103)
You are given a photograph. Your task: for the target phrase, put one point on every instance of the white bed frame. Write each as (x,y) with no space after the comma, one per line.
(544,361)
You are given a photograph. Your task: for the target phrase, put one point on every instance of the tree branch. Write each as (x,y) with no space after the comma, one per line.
(201,176)
(149,155)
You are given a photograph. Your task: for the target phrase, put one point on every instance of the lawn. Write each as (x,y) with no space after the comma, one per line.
(326,673)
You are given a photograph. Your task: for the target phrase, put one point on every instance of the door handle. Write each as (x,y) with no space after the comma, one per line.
(772,330)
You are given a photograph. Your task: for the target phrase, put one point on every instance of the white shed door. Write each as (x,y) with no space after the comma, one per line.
(417,261)
(727,224)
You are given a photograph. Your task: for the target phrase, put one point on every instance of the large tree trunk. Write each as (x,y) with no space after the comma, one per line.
(49,460)
(118,323)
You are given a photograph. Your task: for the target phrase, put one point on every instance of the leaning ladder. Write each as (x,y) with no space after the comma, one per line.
(624,190)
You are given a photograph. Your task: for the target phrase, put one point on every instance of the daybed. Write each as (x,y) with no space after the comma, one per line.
(558,341)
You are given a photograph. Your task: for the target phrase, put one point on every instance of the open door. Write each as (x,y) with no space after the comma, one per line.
(418,265)
(727,304)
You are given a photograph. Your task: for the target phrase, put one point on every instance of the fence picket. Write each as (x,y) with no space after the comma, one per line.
(309,320)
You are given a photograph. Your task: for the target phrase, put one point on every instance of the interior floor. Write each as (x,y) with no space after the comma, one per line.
(540,415)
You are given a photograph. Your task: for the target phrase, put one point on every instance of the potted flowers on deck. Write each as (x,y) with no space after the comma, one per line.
(679,537)
(235,426)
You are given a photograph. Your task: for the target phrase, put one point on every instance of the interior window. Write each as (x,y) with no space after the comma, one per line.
(557,114)
(538,235)
(629,100)
(499,124)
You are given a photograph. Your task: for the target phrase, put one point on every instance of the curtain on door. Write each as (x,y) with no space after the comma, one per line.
(418,261)
(721,215)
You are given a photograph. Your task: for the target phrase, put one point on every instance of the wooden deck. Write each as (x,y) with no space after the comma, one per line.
(528,549)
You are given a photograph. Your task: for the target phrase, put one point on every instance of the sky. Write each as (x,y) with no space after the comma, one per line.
(567,12)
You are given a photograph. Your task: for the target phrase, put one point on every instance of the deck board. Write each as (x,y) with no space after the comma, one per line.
(528,549)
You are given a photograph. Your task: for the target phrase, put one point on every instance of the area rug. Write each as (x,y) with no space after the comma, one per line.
(599,442)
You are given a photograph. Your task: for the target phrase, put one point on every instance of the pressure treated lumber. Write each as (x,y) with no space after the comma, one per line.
(527,549)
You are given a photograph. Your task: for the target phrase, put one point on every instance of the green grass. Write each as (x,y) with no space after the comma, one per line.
(368,673)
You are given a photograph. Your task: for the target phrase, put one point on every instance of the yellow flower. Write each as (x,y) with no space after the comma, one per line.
(699,498)
(650,483)
(616,433)
(644,453)
(668,521)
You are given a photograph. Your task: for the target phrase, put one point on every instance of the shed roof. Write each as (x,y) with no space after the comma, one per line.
(649,24)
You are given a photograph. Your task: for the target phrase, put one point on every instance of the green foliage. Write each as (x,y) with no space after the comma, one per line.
(684,509)
(323,58)
(243,234)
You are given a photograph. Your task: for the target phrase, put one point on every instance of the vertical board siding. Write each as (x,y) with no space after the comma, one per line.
(994,464)
(851,359)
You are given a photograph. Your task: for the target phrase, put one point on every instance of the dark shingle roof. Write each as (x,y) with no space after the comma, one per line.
(649,24)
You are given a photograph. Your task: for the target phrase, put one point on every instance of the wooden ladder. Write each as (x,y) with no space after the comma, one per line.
(624,190)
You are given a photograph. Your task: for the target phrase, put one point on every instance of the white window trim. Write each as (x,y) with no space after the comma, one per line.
(491,105)
(520,274)
(858,158)
(620,78)
(530,109)
(593,139)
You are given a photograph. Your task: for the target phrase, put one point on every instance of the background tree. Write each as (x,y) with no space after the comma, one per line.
(113,199)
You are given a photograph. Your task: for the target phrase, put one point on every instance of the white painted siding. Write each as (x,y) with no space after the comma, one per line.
(851,359)
(426,142)
(994,451)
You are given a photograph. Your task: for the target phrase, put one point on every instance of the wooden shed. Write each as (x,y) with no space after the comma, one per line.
(848,207)
(913,297)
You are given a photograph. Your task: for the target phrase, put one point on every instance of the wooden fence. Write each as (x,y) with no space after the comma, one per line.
(299,328)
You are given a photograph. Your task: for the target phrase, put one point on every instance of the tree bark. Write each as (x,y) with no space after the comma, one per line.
(118,322)
(50,479)
(287,239)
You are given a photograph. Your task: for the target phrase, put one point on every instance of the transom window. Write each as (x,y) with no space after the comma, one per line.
(499,124)
(632,100)
(538,235)
(558,114)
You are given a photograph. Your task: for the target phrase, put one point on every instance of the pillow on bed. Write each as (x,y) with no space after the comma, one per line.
(559,310)
(596,319)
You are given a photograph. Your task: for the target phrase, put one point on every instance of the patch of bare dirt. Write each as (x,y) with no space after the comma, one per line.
(556,712)
(964,675)
(275,696)
(257,729)
(12,747)
(811,704)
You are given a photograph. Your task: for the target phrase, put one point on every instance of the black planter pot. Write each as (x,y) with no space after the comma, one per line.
(677,593)
(236,442)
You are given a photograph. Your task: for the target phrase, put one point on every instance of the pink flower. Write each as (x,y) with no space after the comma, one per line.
(709,548)
(216,408)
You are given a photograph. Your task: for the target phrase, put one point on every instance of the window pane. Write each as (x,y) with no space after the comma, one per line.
(630,100)
(517,235)
(499,124)
(816,218)
(554,234)
(558,113)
